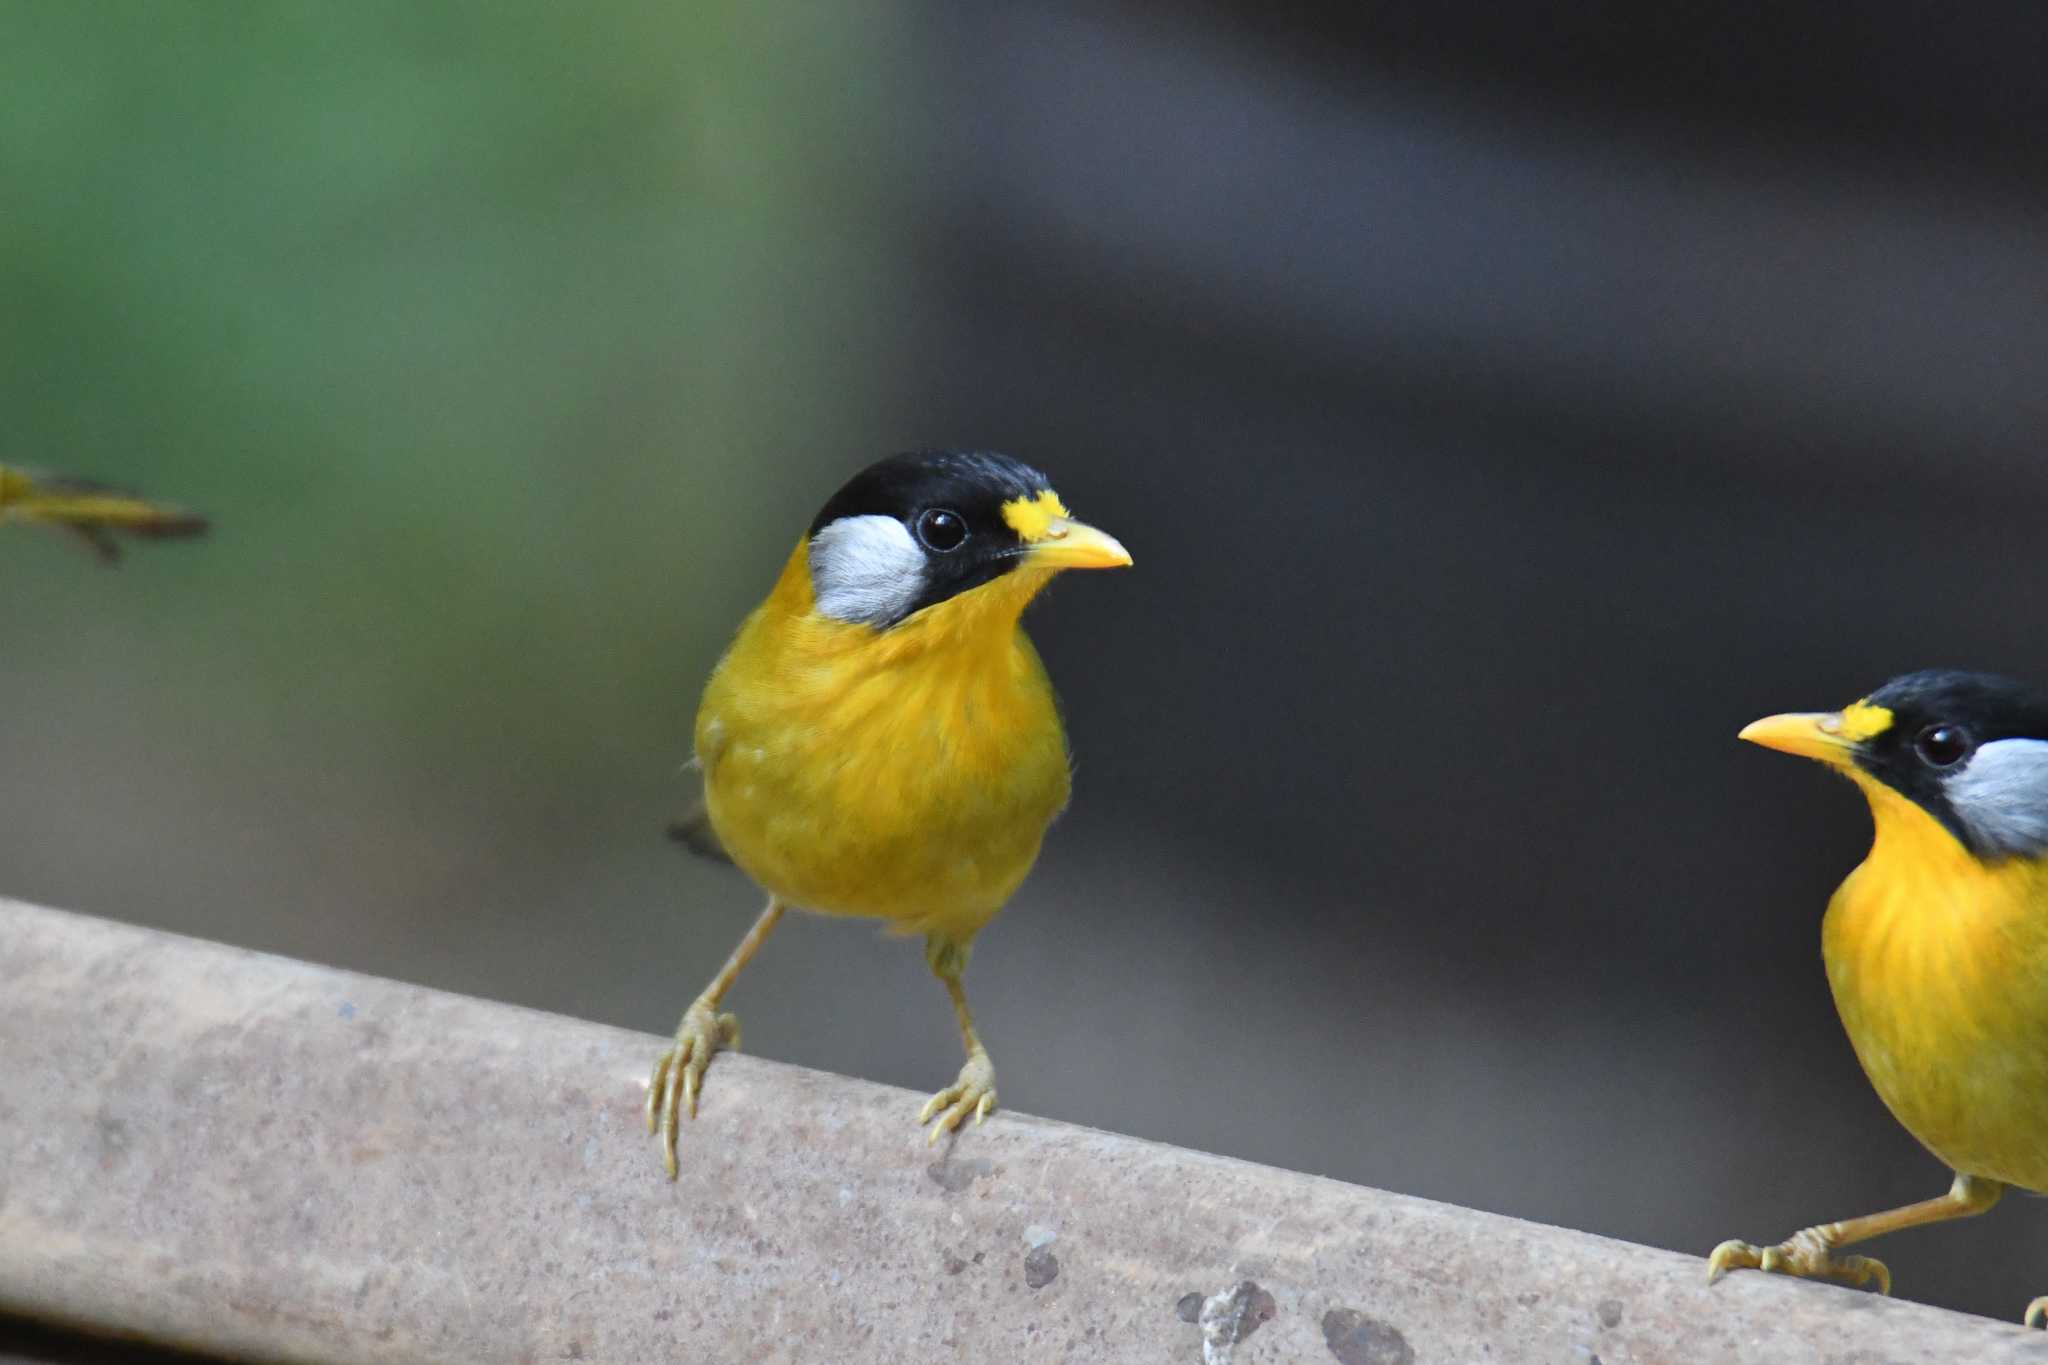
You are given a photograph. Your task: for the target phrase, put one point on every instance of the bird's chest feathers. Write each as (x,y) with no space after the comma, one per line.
(1939,967)
(907,773)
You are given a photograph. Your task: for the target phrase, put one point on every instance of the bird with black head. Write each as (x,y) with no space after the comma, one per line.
(1936,946)
(881,739)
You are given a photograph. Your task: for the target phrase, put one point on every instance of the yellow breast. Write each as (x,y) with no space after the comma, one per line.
(1939,967)
(907,774)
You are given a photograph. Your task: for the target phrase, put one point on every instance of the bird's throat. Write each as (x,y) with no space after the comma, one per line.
(1937,960)
(982,620)
(1923,918)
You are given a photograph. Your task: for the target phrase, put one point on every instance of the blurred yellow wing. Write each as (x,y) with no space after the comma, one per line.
(91,511)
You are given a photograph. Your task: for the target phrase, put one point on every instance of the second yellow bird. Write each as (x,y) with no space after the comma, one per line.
(881,739)
(1937,945)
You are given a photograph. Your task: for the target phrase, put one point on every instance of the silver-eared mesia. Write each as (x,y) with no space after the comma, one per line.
(880,739)
(1936,947)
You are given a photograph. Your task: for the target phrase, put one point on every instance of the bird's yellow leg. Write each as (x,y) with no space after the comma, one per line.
(974,1091)
(1811,1253)
(679,1071)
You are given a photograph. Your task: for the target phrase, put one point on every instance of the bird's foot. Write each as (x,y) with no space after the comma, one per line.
(1807,1254)
(974,1092)
(679,1072)
(2037,1312)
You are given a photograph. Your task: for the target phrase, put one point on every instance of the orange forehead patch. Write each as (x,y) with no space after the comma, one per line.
(1031,518)
(1863,721)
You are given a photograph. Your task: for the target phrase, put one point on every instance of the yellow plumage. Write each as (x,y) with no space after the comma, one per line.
(91,511)
(1939,967)
(907,775)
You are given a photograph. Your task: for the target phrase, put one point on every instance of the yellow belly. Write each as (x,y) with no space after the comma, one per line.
(888,774)
(1939,968)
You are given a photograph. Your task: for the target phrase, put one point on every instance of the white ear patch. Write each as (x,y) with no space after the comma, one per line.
(2001,797)
(866,570)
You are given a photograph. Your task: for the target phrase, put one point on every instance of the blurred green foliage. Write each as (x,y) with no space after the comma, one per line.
(508,346)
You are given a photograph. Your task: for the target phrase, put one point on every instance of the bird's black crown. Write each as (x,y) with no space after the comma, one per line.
(1989,706)
(975,483)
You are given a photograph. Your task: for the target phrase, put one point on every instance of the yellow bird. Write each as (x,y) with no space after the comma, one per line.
(91,511)
(1937,945)
(880,739)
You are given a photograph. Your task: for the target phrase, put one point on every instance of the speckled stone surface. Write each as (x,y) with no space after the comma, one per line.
(238,1153)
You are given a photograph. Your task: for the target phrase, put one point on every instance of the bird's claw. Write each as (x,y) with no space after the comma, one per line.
(679,1072)
(974,1092)
(1809,1256)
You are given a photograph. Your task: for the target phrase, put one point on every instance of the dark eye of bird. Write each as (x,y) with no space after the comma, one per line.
(1942,746)
(942,530)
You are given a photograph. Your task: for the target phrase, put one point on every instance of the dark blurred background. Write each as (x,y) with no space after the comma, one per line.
(1503,404)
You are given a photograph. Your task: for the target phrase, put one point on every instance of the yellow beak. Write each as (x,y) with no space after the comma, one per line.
(1809,734)
(1070,544)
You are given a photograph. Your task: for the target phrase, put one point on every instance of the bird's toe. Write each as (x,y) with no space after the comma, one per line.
(1807,1255)
(971,1095)
(1733,1255)
(678,1077)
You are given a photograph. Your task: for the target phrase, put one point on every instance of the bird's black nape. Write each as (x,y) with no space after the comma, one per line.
(913,530)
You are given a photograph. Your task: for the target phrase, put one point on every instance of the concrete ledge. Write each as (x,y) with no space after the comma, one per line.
(240,1154)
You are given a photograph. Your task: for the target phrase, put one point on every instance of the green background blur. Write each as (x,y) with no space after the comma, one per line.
(488,341)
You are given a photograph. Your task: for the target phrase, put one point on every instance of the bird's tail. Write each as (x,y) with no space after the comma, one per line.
(93,512)
(692,829)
